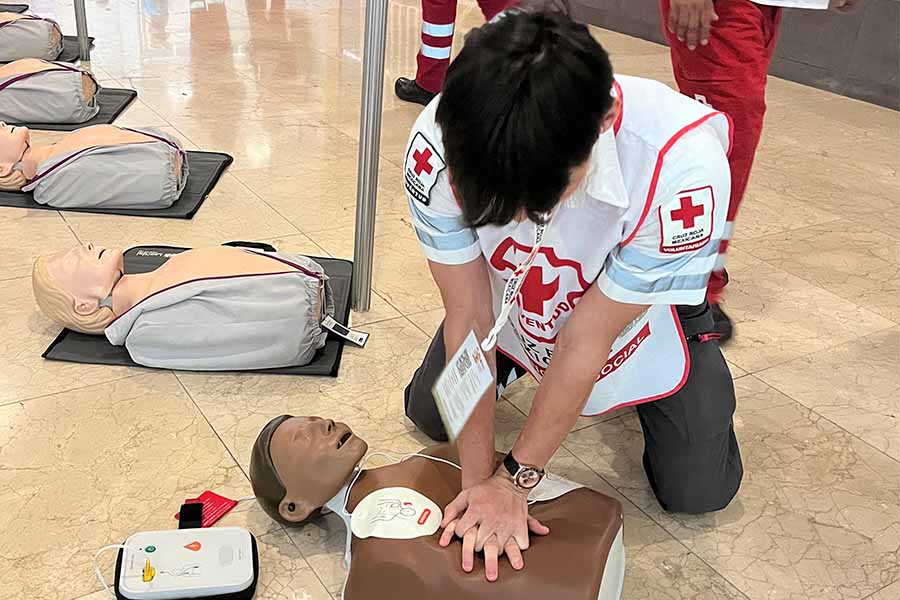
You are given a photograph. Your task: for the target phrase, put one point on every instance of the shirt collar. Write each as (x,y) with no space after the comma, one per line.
(604,179)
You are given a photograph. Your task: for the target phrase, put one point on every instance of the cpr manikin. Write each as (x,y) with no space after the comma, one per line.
(211,309)
(102,166)
(301,464)
(38,91)
(28,36)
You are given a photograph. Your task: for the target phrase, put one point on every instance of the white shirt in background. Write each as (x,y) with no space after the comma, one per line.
(816,4)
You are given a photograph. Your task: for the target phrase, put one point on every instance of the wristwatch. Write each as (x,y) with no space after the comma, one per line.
(524,477)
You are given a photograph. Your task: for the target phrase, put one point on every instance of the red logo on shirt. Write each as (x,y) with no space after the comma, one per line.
(550,291)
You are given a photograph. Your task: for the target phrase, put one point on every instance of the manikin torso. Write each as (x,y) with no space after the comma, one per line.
(8,17)
(568,564)
(208,309)
(36,65)
(27,36)
(199,263)
(87,137)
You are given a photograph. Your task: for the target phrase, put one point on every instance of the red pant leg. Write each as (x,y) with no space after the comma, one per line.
(490,8)
(438,18)
(438,23)
(730,75)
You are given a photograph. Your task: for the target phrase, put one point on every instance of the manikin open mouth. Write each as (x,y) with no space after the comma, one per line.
(344,439)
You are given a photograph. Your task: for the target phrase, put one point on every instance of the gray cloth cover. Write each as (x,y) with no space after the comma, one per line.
(111,101)
(71,346)
(229,323)
(30,37)
(52,96)
(136,176)
(206,168)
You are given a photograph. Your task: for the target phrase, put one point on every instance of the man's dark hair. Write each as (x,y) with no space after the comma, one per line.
(522,106)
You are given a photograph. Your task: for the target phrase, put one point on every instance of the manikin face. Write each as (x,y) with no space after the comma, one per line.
(13,143)
(314,458)
(88,273)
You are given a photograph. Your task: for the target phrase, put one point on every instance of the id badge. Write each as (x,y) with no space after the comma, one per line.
(461,385)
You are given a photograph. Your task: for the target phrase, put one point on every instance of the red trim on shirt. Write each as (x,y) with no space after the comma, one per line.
(621,96)
(658,169)
(678,386)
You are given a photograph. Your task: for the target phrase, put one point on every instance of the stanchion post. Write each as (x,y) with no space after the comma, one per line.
(369,145)
(84,42)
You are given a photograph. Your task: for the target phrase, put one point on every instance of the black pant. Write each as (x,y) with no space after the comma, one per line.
(691,454)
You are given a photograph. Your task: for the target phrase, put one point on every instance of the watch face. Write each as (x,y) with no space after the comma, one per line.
(528,478)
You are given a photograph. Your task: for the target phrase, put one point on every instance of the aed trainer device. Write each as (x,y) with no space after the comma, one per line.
(220,563)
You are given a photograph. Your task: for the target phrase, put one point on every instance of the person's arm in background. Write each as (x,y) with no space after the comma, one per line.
(467,297)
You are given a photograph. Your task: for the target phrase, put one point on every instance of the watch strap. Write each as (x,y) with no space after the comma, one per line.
(511,465)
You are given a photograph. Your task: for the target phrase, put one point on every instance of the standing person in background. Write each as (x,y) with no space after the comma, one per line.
(438,18)
(721,52)
(438,24)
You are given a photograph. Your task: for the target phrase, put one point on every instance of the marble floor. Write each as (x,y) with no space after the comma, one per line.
(89,455)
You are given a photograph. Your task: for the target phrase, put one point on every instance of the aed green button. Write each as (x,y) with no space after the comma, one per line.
(150,549)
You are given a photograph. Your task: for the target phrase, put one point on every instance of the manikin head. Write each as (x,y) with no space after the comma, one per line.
(14,141)
(298,464)
(70,286)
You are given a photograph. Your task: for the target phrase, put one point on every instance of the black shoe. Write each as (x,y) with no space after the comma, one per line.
(410,91)
(723,325)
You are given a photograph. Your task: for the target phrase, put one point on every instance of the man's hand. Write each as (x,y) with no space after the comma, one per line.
(491,516)
(845,6)
(690,20)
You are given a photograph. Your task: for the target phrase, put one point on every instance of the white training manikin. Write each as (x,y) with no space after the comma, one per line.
(216,308)
(28,36)
(38,91)
(102,166)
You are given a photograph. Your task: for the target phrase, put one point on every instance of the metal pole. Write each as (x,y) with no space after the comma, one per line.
(369,143)
(84,43)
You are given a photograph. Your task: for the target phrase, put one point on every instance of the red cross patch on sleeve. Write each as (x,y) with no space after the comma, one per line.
(421,169)
(686,221)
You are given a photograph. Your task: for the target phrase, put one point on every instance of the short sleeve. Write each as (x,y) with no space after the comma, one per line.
(670,256)
(436,217)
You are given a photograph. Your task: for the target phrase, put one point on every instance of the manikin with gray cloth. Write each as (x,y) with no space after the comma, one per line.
(394,549)
(101,166)
(23,35)
(38,91)
(211,309)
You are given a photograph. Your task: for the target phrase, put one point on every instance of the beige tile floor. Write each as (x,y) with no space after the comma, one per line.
(91,454)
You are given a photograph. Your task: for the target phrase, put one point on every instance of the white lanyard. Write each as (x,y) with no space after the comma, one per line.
(514,284)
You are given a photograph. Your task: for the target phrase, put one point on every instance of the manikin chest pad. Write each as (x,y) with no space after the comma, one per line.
(401,513)
(55,95)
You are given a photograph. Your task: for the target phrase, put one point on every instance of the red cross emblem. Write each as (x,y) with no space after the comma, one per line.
(422,161)
(687,213)
(536,293)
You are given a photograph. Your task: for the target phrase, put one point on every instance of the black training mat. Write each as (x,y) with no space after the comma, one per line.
(13,8)
(70,346)
(71,51)
(113,102)
(205,170)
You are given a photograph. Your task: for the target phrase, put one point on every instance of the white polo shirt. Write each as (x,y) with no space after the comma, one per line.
(645,226)
(815,4)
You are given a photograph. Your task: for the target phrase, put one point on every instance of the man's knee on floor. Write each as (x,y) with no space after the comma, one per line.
(698,497)
(702,486)
(424,415)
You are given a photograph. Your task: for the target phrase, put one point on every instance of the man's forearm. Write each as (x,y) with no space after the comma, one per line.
(558,402)
(476,440)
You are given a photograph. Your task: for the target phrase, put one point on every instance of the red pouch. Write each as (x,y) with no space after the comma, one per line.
(214,507)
